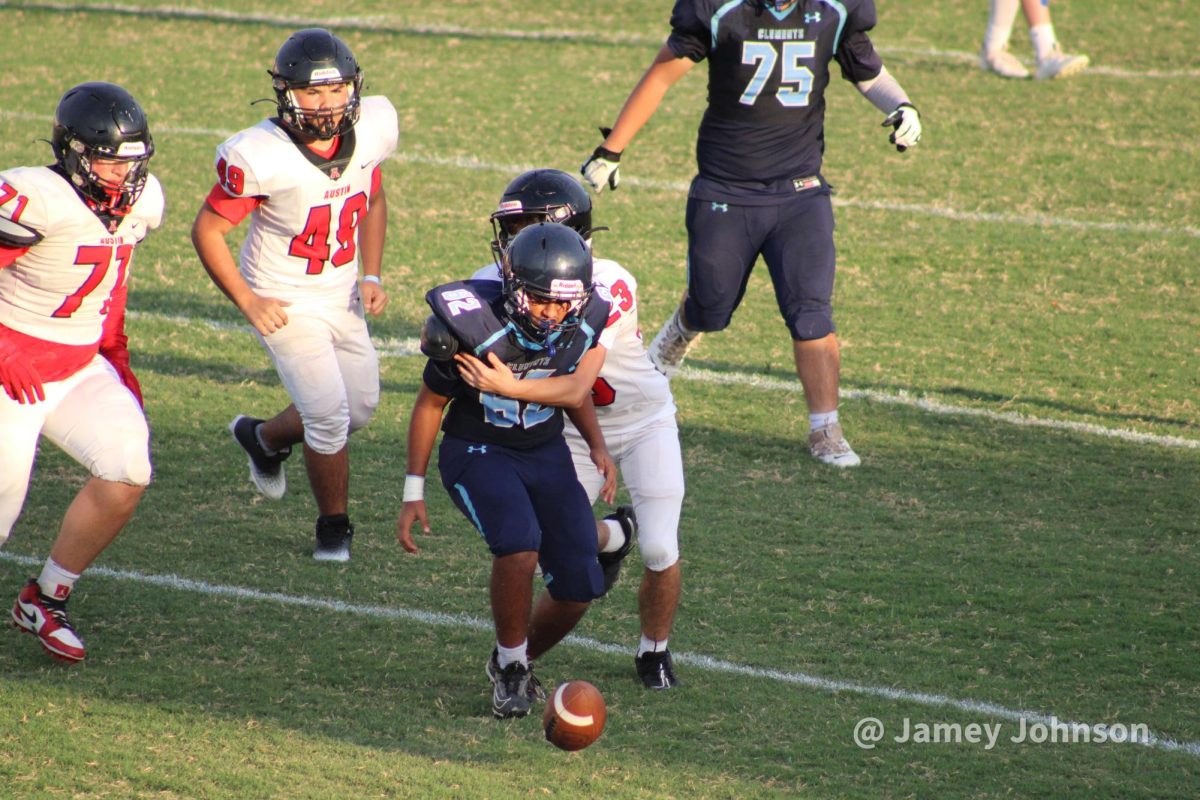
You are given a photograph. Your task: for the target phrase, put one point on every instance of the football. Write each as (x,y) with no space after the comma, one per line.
(575,715)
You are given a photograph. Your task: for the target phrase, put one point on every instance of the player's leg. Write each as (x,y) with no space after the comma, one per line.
(99,424)
(20,426)
(1052,62)
(722,247)
(801,257)
(307,363)
(484,483)
(994,55)
(653,470)
(615,533)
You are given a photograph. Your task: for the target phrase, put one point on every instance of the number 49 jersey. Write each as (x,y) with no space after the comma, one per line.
(302,244)
(473,312)
(58,290)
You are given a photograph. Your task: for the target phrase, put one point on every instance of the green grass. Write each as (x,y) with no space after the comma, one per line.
(1029,567)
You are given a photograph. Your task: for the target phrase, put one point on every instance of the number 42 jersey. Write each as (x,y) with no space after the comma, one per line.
(302,245)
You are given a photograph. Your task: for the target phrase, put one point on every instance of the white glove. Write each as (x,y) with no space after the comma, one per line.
(905,122)
(603,167)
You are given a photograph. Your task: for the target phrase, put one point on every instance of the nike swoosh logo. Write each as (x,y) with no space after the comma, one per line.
(31,617)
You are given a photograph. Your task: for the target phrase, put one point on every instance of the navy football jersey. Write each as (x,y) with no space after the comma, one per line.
(764,129)
(474,313)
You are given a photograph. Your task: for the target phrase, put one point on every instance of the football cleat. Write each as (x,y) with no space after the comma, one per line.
(611,562)
(656,670)
(1058,64)
(333,538)
(830,446)
(1003,63)
(510,688)
(46,618)
(533,690)
(266,472)
(670,345)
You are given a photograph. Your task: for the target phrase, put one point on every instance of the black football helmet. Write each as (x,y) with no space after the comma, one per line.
(315,57)
(540,195)
(548,262)
(102,121)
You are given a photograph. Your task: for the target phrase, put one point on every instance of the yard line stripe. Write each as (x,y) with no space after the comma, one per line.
(382,23)
(699,661)
(405,348)
(681,187)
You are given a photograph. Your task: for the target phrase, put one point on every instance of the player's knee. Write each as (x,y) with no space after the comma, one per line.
(706,321)
(578,581)
(659,553)
(327,434)
(809,324)
(128,464)
(361,413)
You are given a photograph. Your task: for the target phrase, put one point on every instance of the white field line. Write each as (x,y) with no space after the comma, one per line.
(703,662)
(681,187)
(403,348)
(389,24)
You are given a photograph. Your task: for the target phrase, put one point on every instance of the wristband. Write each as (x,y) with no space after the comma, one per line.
(372,279)
(414,488)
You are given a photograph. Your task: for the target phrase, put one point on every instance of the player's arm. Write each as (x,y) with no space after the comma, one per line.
(422,433)
(588,426)
(371,236)
(114,344)
(266,314)
(566,391)
(664,71)
(862,66)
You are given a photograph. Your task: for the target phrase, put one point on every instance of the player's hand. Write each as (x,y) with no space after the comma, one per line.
(608,468)
(20,379)
(905,122)
(494,377)
(603,167)
(266,314)
(414,511)
(374,297)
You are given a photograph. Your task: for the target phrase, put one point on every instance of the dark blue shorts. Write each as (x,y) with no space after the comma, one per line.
(523,500)
(795,239)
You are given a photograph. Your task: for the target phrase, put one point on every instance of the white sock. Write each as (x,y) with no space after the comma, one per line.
(1000,24)
(56,581)
(1043,39)
(822,420)
(616,536)
(648,645)
(258,435)
(507,655)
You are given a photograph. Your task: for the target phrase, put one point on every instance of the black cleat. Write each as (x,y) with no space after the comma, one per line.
(333,538)
(511,688)
(656,670)
(611,562)
(266,472)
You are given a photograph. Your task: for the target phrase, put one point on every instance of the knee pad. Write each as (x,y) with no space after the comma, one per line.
(361,413)
(810,324)
(327,435)
(577,580)
(701,321)
(658,552)
(129,463)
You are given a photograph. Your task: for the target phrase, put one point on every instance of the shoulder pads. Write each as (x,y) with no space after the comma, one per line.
(437,342)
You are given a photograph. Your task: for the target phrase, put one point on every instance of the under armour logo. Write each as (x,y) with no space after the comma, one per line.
(812,16)
(482,449)
(722,207)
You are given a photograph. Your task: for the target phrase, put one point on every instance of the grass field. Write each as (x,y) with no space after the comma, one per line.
(1019,306)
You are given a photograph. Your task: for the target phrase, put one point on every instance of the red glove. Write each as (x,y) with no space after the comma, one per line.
(20,379)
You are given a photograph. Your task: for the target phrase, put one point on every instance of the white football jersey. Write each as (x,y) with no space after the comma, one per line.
(629,390)
(59,289)
(302,244)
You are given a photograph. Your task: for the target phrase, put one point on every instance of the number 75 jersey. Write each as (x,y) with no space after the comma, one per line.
(302,245)
(59,289)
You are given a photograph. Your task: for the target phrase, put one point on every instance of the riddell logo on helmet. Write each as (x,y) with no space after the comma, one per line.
(131,149)
(563,286)
(325,74)
(509,205)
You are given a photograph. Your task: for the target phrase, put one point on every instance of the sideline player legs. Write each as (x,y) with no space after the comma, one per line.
(759,189)
(310,180)
(67,237)
(634,408)
(504,462)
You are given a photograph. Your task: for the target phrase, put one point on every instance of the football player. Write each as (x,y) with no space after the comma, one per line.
(759,190)
(634,408)
(1052,62)
(310,180)
(503,461)
(67,236)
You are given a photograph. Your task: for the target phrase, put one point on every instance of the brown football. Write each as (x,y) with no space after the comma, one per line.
(575,715)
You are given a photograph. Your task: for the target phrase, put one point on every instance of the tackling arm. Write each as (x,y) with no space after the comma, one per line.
(566,391)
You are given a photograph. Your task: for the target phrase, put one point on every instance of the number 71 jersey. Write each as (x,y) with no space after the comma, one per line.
(302,244)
